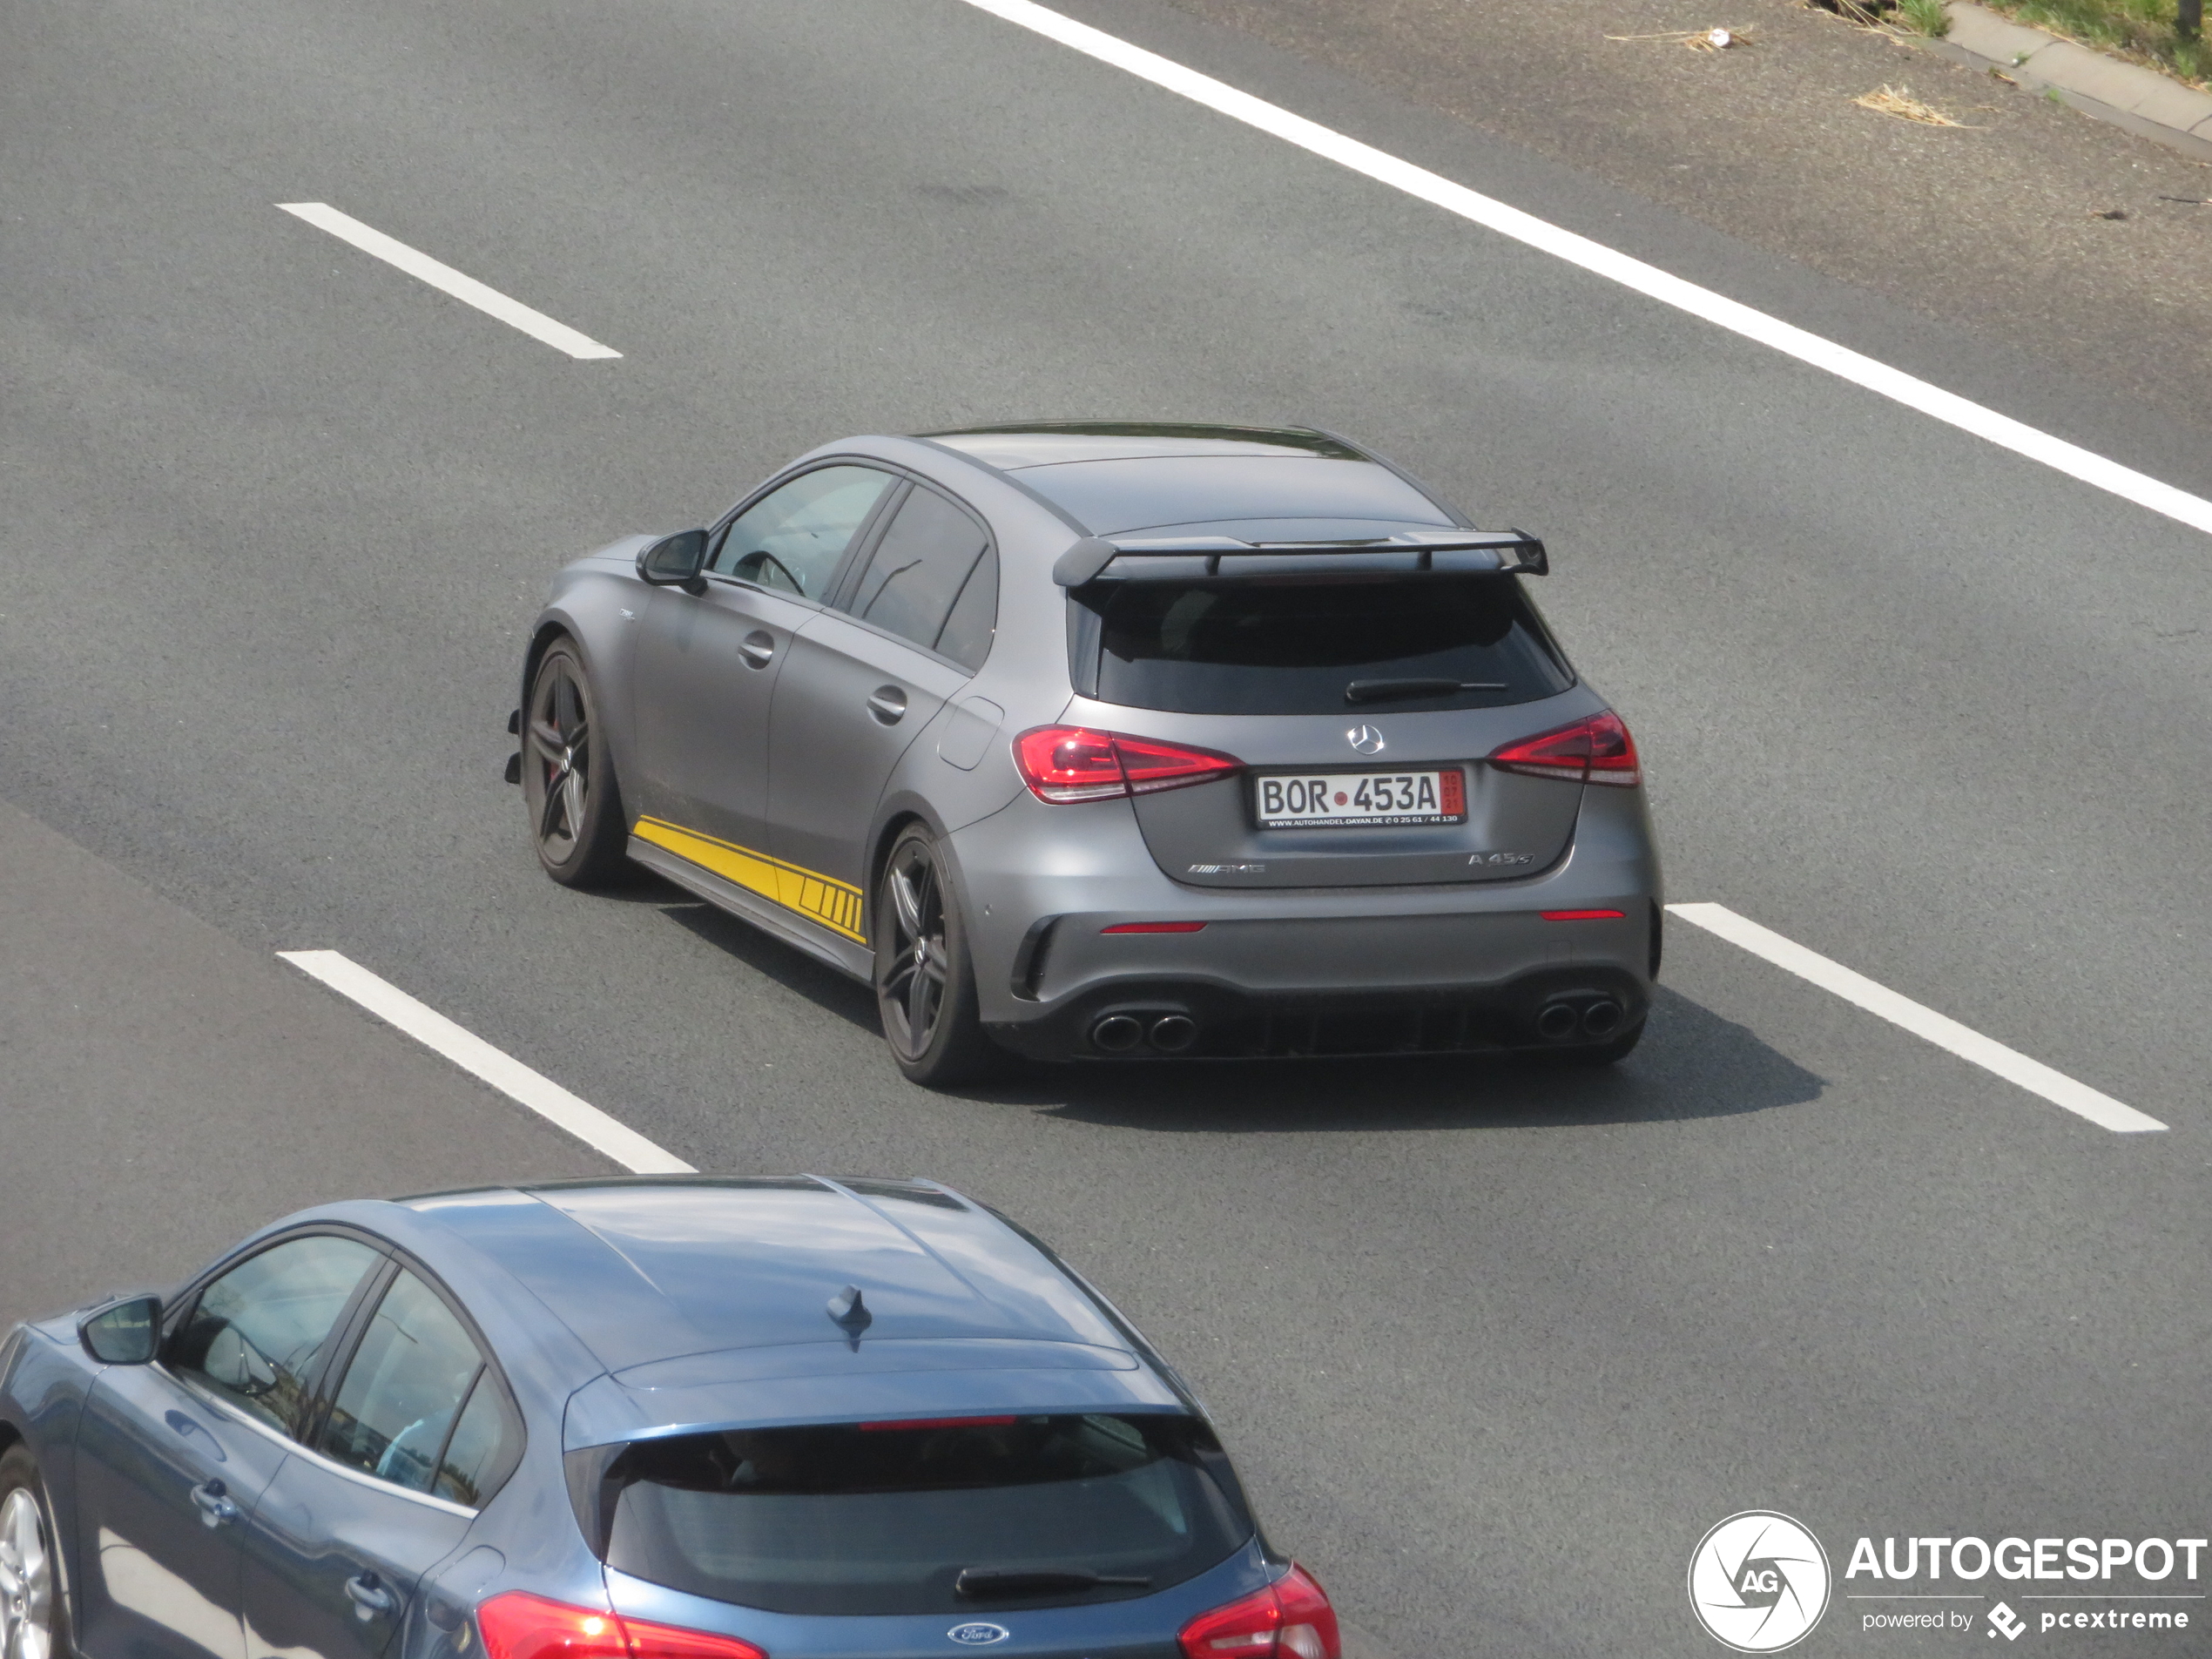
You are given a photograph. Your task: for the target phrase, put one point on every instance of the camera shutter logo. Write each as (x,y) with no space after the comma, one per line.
(1758,1582)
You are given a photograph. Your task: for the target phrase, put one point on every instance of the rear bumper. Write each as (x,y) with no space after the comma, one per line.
(1432,969)
(1171,1018)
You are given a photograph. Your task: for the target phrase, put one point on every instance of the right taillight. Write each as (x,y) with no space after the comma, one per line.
(518,1625)
(1066,763)
(1597,750)
(1290,1619)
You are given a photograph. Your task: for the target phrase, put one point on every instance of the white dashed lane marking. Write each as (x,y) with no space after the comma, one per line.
(1647,280)
(478,1058)
(445,279)
(1941,1029)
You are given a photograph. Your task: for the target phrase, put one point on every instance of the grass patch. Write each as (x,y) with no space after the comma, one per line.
(1924,17)
(2142,29)
(1898,101)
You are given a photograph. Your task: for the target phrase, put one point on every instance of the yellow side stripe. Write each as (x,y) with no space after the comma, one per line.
(835,904)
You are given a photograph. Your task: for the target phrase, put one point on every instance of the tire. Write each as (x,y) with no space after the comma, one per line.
(924,982)
(1602,1054)
(34,1619)
(576,821)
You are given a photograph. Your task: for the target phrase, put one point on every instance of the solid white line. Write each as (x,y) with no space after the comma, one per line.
(466,289)
(1647,280)
(472,1055)
(1945,1032)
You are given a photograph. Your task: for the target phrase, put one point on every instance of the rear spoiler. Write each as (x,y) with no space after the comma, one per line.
(1186,558)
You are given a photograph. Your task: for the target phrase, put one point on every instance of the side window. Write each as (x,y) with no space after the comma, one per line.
(256,1334)
(404,1387)
(793,538)
(483,1448)
(925,565)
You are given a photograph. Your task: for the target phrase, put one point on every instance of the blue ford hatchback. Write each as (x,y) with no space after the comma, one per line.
(653,1418)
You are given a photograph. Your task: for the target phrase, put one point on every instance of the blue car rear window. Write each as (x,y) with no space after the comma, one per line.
(886,1518)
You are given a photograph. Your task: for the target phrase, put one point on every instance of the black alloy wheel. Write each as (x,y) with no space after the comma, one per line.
(575,809)
(925,987)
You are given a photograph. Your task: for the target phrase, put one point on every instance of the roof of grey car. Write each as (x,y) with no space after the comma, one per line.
(658,1268)
(1118,476)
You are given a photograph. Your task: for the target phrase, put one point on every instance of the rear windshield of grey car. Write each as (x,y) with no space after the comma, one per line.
(886,1518)
(1302,647)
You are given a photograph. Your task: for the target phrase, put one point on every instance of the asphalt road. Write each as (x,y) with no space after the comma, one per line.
(1494,1344)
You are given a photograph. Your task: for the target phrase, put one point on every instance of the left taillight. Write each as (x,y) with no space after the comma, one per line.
(1067,764)
(518,1625)
(1290,1619)
(1597,750)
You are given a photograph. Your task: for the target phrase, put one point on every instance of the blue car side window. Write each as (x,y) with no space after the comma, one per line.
(254,1336)
(403,1388)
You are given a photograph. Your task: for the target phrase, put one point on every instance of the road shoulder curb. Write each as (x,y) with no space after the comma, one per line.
(2138,100)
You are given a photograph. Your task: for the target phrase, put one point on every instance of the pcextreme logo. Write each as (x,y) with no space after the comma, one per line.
(1758,1582)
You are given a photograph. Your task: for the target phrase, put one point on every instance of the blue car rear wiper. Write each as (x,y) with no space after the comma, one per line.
(1038,1580)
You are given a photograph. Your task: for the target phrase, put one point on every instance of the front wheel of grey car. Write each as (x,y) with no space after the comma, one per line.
(925,983)
(34,1623)
(567,780)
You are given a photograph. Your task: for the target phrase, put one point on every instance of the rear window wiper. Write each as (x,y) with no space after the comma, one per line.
(1038,1580)
(1382,690)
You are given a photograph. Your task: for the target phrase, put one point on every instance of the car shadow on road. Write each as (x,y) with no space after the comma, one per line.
(785,965)
(1691,1063)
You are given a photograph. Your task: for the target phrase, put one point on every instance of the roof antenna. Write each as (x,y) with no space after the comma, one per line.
(850,1314)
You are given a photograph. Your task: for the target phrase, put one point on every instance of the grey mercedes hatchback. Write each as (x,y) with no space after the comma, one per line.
(1108,741)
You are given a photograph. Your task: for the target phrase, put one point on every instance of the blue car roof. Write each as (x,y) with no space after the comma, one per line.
(707,1302)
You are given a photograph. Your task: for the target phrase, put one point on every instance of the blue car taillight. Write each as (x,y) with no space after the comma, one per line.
(1290,1619)
(517,1625)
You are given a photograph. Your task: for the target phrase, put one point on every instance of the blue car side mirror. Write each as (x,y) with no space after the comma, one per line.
(675,561)
(123,1333)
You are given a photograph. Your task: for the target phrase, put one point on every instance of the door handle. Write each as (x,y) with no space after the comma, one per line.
(757,648)
(213,1501)
(888,703)
(368,1596)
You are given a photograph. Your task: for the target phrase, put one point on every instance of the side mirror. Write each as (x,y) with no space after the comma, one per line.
(123,1333)
(675,561)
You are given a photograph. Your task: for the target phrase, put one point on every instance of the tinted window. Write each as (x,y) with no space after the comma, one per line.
(793,538)
(968,632)
(257,1334)
(932,555)
(403,1388)
(1295,647)
(482,1449)
(849,1519)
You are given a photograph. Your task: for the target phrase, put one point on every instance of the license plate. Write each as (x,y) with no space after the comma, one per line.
(1344,799)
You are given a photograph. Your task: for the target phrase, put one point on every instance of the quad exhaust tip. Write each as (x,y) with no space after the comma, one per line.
(1173,1033)
(1597,1019)
(1117,1033)
(1121,1033)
